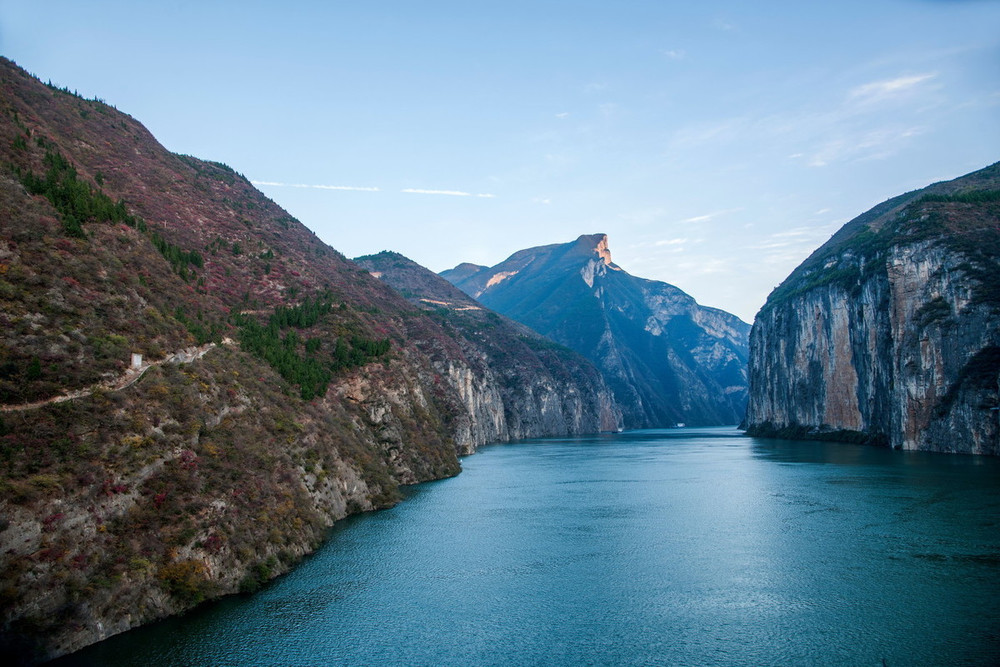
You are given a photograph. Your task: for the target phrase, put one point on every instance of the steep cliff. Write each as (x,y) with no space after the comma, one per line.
(276,387)
(667,359)
(890,332)
(515,383)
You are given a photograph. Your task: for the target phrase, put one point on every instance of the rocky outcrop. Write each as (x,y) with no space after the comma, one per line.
(513,383)
(522,401)
(890,333)
(667,359)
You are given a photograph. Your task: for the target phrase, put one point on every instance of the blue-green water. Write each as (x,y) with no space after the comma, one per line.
(682,547)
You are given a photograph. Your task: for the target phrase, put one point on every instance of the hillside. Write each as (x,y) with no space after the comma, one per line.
(541,388)
(667,359)
(280,387)
(890,332)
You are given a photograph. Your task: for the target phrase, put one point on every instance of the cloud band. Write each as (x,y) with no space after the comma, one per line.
(354,188)
(452,193)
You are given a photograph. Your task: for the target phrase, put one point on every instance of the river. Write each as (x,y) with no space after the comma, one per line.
(671,547)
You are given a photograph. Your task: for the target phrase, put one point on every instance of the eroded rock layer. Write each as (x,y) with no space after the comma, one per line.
(890,332)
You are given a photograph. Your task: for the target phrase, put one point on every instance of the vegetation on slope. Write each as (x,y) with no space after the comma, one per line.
(307,362)
(186,482)
(521,360)
(76,201)
(203,478)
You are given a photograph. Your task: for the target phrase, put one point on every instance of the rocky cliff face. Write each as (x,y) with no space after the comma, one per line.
(514,383)
(129,495)
(890,333)
(667,359)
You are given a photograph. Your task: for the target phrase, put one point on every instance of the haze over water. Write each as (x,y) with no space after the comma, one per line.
(681,547)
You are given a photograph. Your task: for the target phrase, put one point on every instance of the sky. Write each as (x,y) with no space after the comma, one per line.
(716,143)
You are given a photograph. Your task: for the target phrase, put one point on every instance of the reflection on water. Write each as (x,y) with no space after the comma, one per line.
(680,547)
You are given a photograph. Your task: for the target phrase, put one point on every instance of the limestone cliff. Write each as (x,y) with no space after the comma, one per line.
(667,359)
(890,332)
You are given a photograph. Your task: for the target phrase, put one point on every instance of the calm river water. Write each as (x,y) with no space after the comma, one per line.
(680,547)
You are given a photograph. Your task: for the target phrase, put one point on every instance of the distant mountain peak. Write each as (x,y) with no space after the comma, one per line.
(603,251)
(462,271)
(667,359)
(599,265)
(597,244)
(468,266)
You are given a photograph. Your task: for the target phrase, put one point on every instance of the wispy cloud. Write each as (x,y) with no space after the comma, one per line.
(792,245)
(354,188)
(867,120)
(877,91)
(801,231)
(861,127)
(451,193)
(710,216)
(675,246)
(675,54)
(564,114)
(872,145)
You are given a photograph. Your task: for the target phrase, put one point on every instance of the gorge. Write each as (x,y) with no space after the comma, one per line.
(281,387)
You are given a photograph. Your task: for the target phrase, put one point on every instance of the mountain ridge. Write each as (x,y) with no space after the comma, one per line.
(649,338)
(539,381)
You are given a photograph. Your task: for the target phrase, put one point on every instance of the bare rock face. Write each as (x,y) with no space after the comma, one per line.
(667,359)
(890,333)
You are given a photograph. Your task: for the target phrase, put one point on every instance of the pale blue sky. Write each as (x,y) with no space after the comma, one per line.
(717,143)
